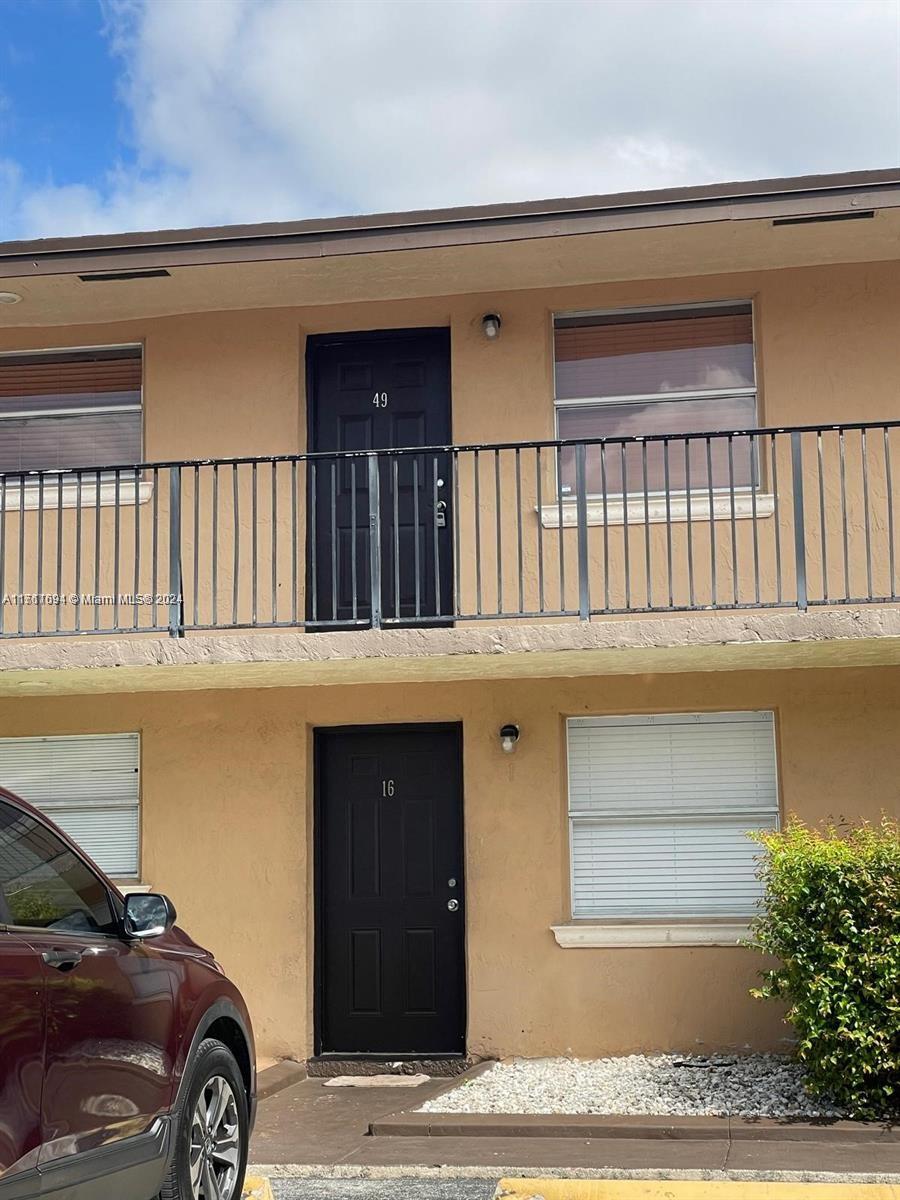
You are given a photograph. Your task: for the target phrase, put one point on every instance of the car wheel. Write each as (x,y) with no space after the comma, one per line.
(211,1130)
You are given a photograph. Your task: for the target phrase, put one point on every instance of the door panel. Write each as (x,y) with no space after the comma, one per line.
(391,946)
(109,1062)
(21,1056)
(375,393)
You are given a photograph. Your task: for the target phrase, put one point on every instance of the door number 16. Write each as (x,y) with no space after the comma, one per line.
(387,787)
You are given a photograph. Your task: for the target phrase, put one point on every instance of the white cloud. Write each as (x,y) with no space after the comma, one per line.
(247,110)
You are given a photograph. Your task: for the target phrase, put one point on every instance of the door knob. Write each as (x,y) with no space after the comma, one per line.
(453,905)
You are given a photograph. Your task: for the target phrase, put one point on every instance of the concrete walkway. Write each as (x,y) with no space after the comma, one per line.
(308,1124)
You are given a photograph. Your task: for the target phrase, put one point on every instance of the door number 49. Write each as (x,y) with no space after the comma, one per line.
(380,399)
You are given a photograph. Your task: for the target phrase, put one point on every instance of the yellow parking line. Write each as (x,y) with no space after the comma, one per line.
(656,1189)
(257,1188)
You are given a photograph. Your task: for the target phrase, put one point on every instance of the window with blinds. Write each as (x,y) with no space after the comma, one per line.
(659,811)
(657,371)
(89,785)
(64,410)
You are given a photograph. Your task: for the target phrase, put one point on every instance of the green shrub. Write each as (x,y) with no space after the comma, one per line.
(832,918)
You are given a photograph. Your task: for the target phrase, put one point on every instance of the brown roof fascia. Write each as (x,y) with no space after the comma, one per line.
(802,196)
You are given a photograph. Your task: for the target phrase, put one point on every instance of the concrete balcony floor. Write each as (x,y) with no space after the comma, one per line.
(757,640)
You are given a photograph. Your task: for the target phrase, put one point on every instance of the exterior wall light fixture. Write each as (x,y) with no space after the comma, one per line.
(9,297)
(490,325)
(509,735)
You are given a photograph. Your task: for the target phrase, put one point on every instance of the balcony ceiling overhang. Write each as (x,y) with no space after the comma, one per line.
(684,644)
(720,229)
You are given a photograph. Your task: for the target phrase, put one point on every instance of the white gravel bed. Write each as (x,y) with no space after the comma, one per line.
(759,1085)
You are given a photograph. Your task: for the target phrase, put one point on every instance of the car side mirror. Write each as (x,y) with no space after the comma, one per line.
(147,915)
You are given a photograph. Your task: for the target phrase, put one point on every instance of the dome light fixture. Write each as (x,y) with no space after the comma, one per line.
(509,736)
(490,326)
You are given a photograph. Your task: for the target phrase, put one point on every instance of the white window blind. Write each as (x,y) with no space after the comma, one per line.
(88,785)
(659,810)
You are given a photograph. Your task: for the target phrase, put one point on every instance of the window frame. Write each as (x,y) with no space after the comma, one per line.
(656,397)
(97,476)
(113,932)
(623,921)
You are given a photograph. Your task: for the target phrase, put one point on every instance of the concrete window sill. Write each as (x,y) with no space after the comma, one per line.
(126,886)
(27,498)
(584,935)
(617,510)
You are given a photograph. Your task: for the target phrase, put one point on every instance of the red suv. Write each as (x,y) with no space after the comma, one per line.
(127,1066)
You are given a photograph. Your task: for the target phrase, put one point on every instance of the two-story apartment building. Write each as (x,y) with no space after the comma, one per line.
(431,603)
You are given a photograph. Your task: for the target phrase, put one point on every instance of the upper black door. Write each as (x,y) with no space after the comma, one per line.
(380,391)
(391,920)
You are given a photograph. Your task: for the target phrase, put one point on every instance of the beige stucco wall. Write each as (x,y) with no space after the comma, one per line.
(226,831)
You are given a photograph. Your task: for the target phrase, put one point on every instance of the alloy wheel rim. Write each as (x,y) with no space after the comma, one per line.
(215,1142)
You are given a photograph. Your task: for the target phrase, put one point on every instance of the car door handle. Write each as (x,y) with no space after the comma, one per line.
(63,960)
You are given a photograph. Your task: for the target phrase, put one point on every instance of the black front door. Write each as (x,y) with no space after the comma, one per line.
(379,391)
(391,919)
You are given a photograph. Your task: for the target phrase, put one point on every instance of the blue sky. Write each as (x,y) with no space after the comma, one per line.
(62,121)
(144,114)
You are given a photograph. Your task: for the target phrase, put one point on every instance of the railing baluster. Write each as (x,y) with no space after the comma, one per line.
(59,551)
(584,567)
(562,531)
(889,488)
(668,489)
(176,605)
(799,520)
(712,524)
(354,589)
(235,541)
(416,532)
(734,548)
(274,542)
(295,534)
(626,549)
(196,546)
(117,521)
(754,470)
(864,454)
(519,545)
(498,514)
(776,516)
(375,540)
(333,539)
(254,542)
(604,492)
(647,555)
(457,548)
(40,552)
(312,539)
(395,504)
(823,531)
(136,619)
(477,469)
(688,495)
(154,570)
(20,599)
(214,565)
(540,528)
(846,539)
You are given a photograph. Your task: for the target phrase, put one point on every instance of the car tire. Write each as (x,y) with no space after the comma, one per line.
(211,1130)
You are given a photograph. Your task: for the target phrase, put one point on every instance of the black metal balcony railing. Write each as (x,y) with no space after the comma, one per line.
(536,530)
